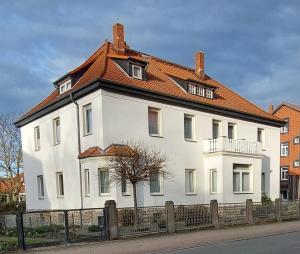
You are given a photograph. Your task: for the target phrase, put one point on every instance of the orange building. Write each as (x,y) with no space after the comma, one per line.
(289,149)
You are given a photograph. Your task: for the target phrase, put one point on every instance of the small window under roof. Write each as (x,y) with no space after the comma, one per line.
(65,86)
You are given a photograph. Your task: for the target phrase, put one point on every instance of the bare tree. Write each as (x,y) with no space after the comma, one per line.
(136,163)
(10,155)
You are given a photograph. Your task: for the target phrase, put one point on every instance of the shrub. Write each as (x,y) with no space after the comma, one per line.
(94,228)
(13,207)
(8,245)
(265,199)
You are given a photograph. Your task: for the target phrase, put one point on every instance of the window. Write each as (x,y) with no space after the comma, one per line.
(285,128)
(87,188)
(88,119)
(136,72)
(104,187)
(231,131)
(56,131)
(65,86)
(188,127)
(60,184)
(190,183)
(241,178)
(284,149)
(37,138)
(297,163)
(192,89)
(40,183)
(209,94)
(216,129)
(155,184)
(297,140)
(154,121)
(284,173)
(124,185)
(261,137)
(213,181)
(200,91)
(263,183)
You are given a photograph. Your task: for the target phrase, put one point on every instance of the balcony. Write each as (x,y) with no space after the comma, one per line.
(223,144)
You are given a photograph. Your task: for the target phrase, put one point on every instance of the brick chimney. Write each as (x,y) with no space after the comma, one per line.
(271,109)
(199,64)
(119,38)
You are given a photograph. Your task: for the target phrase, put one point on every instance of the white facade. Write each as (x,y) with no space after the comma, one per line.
(118,118)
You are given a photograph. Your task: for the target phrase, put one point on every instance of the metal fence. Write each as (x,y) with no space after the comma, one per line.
(290,210)
(263,212)
(192,216)
(232,214)
(143,221)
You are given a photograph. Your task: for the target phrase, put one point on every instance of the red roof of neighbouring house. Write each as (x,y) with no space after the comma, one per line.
(5,184)
(102,65)
(112,150)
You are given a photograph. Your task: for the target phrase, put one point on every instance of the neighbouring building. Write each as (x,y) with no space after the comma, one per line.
(219,145)
(289,149)
(15,185)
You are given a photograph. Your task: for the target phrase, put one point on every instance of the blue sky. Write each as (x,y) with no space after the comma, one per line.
(252,46)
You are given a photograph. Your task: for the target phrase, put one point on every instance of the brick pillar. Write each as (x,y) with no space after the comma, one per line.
(214,213)
(249,211)
(112,219)
(169,206)
(277,209)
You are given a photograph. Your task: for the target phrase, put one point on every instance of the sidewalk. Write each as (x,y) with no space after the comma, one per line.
(157,243)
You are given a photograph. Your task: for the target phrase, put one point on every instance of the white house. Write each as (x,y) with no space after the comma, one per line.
(219,145)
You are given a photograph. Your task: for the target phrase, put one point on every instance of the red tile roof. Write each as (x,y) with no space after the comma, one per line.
(101,65)
(112,150)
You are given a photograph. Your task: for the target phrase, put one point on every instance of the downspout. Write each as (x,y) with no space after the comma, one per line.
(79,147)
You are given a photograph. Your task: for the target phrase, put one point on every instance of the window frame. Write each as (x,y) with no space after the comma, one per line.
(284,173)
(285,129)
(41,187)
(194,187)
(160,180)
(60,188)
(209,93)
(56,141)
(85,108)
(287,149)
(159,121)
(262,132)
(219,122)
(211,171)
(263,183)
(240,172)
(125,183)
(192,117)
(37,138)
(100,183)
(87,182)
(297,138)
(65,86)
(234,130)
(298,162)
(133,66)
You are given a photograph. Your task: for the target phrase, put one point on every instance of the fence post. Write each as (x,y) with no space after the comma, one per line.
(67,231)
(214,211)
(112,219)
(20,230)
(277,209)
(169,206)
(249,211)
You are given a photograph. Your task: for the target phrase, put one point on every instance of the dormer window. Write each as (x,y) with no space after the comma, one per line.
(65,86)
(200,91)
(136,72)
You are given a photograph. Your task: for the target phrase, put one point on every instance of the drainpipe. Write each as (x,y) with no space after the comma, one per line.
(79,147)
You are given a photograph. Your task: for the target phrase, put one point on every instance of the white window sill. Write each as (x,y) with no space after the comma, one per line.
(190,193)
(213,193)
(105,194)
(156,194)
(56,144)
(41,198)
(37,149)
(60,196)
(126,194)
(156,135)
(87,134)
(190,140)
(243,192)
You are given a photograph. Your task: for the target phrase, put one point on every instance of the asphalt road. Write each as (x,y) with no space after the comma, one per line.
(288,243)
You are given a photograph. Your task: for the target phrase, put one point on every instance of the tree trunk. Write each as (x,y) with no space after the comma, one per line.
(135,203)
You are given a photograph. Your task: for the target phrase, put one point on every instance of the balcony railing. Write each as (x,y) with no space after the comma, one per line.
(223,144)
